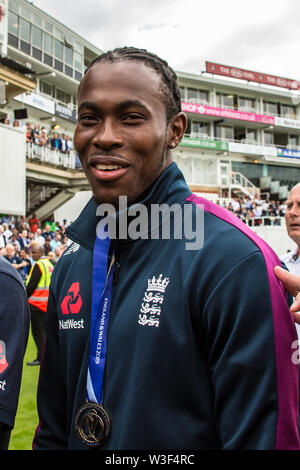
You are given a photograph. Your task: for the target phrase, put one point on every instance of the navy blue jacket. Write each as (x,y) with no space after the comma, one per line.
(208,366)
(14,329)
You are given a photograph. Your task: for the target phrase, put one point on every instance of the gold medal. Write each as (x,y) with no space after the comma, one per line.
(92,424)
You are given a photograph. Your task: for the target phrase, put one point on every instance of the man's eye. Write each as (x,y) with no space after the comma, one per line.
(87,118)
(132,117)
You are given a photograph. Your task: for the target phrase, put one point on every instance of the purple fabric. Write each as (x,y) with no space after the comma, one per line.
(287,437)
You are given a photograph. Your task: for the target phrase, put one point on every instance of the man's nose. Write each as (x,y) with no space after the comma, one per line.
(107,135)
(295,210)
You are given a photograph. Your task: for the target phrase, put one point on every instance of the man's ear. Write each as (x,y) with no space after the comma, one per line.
(177,128)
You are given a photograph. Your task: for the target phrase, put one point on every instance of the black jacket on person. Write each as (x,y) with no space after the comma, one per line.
(199,341)
(14,329)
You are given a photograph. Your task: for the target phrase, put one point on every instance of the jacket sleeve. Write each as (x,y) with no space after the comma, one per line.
(51,433)
(14,329)
(34,280)
(250,340)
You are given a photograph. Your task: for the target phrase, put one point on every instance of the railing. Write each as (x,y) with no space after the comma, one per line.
(52,156)
(240,180)
(199,135)
(264,221)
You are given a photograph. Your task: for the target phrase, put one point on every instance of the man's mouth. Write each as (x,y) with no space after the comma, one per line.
(106,171)
(107,167)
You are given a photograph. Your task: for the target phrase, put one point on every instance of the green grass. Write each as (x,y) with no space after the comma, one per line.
(27,418)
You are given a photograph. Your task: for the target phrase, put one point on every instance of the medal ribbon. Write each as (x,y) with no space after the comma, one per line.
(101,298)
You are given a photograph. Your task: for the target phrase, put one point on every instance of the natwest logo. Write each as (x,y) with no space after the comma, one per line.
(72,303)
(3,361)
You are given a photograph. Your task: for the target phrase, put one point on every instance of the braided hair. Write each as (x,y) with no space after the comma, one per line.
(169,85)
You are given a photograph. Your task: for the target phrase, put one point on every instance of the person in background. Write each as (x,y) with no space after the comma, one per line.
(14,259)
(3,240)
(56,142)
(37,288)
(33,223)
(292,221)
(38,237)
(24,272)
(43,139)
(14,329)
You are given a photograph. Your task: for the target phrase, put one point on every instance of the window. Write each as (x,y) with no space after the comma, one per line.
(46,88)
(48,44)
(25,30)
(58,50)
(59,34)
(198,96)
(61,95)
(247,104)
(199,129)
(182,92)
(37,20)
(226,101)
(268,138)
(225,132)
(251,136)
(78,61)
(48,26)
(36,37)
(288,111)
(293,141)
(13,24)
(192,94)
(68,56)
(26,13)
(270,108)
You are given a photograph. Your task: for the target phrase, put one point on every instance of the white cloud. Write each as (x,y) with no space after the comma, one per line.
(259,35)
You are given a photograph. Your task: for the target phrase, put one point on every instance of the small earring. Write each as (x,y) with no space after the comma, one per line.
(172,145)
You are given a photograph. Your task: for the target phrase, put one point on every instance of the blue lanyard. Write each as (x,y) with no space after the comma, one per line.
(101,298)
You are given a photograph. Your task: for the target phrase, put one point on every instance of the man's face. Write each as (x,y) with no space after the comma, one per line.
(35,253)
(292,215)
(10,250)
(122,133)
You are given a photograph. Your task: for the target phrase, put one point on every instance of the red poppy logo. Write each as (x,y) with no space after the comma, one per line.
(3,361)
(72,303)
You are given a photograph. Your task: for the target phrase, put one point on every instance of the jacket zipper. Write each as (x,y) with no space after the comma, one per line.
(116,272)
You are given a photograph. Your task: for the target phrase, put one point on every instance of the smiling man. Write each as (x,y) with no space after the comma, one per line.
(139,352)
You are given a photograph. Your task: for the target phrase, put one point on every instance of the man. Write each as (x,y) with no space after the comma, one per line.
(56,241)
(292,220)
(23,239)
(26,269)
(7,232)
(181,370)
(47,232)
(33,223)
(14,328)
(16,262)
(37,288)
(38,238)
(56,142)
(3,240)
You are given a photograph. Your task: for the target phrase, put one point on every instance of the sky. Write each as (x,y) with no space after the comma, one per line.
(259,35)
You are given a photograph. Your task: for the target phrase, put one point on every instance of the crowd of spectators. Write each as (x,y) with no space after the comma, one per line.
(255,211)
(17,238)
(36,134)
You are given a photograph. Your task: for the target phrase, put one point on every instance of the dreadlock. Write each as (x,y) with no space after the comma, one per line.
(169,85)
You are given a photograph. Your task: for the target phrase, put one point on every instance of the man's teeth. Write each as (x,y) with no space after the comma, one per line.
(101,166)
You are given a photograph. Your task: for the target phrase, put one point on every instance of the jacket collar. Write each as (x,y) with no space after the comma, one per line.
(170,187)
